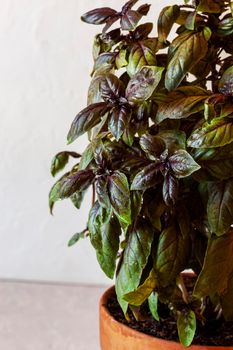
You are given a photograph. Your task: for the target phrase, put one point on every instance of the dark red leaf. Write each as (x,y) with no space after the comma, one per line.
(170,189)
(98,16)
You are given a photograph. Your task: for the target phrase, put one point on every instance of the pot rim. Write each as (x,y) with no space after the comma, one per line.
(137,334)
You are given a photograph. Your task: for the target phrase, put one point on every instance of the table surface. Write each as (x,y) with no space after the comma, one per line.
(48,316)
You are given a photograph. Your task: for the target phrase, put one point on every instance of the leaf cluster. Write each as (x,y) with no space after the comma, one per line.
(160,158)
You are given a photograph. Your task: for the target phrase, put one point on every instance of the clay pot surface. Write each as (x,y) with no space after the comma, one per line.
(117,336)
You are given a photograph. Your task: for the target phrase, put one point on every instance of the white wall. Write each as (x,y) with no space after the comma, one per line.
(44,65)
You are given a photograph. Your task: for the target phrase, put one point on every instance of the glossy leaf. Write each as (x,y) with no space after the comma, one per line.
(172,255)
(69,184)
(153,305)
(217,162)
(77,238)
(170,189)
(141,54)
(142,293)
(143,84)
(142,31)
(166,20)
(220,206)
(152,145)
(119,195)
(98,16)
(60,160)
(189,53)
(147,177)
(119,120)
(86,120)
(134,260)
(182,103)
(174,139)
(111,87)
(225,85)
(186,324)
(183,164)
(217,133)
(217,267)
(101,187)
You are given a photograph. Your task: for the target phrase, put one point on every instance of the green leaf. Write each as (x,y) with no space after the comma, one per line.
(188,54)
(60,160)
(191,20)
(217,133)
(104,234)
(119,195)
(217,267)
(121,60)
(86,120)
(142,293)
(183,164)
(135,257)
(104,59)
(119,120)
(166,20)
(147,177)
(226,301)
(141,54)
(77,198)
(153,305)
(220,206)
(143,84)
(77,237)
(107,255)
(152,145)
(210,6)
(70,183)
(225,85)
(136,204)
(186,324)
(218,162)
(182,103)
(174,139)
(172,255)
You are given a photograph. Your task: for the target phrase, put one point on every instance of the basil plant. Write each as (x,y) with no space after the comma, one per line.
(159,120)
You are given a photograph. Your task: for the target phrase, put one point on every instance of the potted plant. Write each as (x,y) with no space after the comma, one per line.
(160,163)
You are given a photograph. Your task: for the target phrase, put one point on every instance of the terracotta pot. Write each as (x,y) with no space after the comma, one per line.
(117,336)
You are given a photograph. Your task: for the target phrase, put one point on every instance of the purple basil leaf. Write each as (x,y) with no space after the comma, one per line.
(130,20)
(60,161)
(129,4)
(119,120)
(153,145)
(111,88)
(142,31)
(144,9)
(70,183)
(102,191)
(98,16)
(79,181)
(183,164)
(119,194)
(148,177)
(225,85)
(170,189)
(86,120)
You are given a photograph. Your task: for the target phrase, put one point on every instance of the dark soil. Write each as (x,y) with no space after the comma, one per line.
(214,333)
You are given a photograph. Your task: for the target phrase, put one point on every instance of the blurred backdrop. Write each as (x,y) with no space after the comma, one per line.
(45,63)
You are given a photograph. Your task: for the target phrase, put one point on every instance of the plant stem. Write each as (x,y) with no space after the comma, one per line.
(181,285)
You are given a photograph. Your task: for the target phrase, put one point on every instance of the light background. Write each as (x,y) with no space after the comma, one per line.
(45,63)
